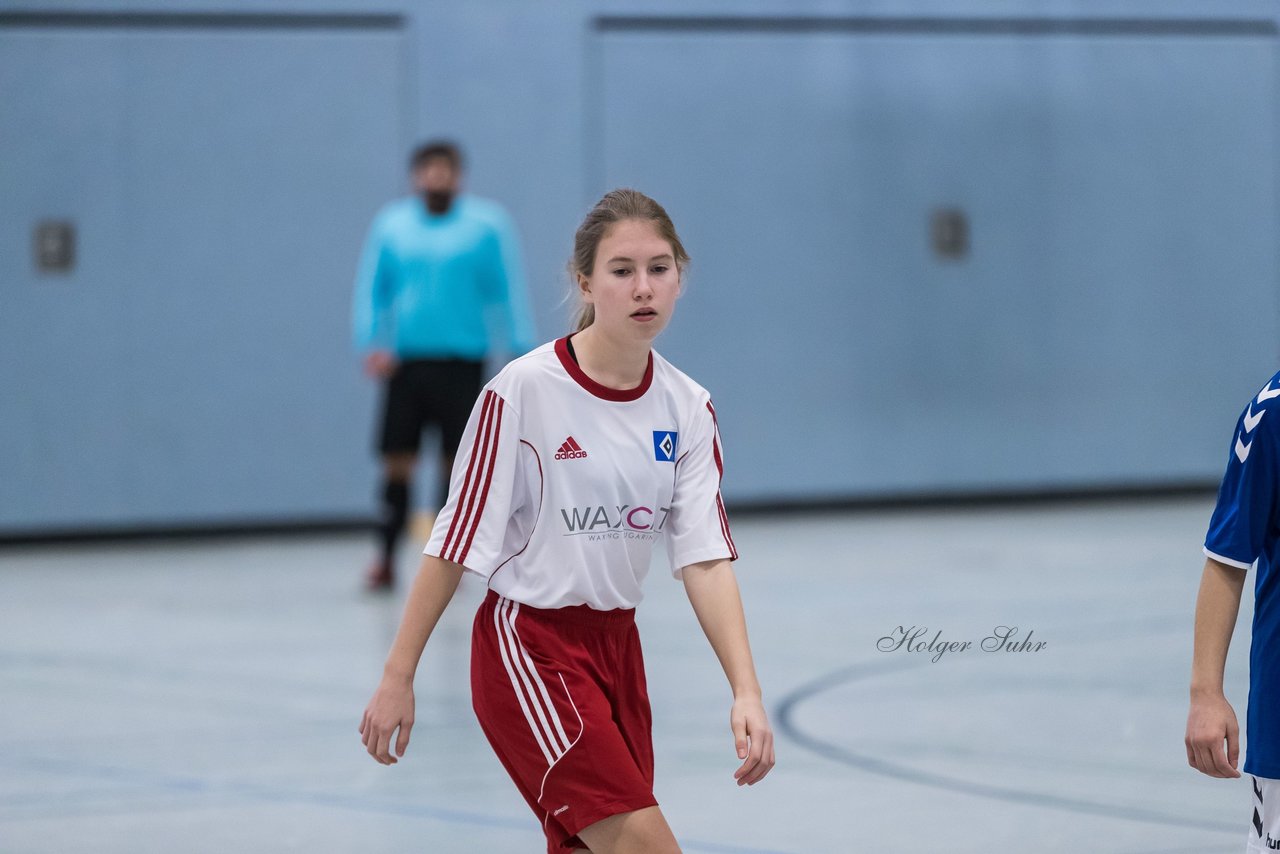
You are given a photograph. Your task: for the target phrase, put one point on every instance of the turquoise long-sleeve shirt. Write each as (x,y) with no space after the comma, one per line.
(426,283)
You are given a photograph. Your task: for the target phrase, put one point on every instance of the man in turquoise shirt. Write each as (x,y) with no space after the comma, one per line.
(438,271)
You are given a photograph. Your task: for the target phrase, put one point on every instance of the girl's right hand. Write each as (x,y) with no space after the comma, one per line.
(1210,722)
(390,709)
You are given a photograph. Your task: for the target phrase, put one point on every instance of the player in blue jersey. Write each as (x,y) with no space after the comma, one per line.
(439,270)
(1244,531)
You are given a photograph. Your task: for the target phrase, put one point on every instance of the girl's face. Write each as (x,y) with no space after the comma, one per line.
(635,281)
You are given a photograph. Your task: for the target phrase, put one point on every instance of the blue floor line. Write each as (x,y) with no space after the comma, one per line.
(786,724)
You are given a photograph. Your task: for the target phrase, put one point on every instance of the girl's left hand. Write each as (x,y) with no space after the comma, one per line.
(754,740)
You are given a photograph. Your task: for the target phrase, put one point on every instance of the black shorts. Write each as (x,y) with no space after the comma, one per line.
(429,392)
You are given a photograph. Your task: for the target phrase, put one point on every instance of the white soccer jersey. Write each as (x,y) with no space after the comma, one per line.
(562,486)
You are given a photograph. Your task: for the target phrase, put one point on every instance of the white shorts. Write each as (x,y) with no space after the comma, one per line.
(1264,821)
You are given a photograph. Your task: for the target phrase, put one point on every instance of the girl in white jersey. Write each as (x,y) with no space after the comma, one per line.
(578,458)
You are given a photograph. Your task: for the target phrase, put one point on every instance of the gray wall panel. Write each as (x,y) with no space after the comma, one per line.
(1118,306)
(196,365)
(1121,198)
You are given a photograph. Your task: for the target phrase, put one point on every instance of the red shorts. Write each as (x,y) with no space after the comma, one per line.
(560,694)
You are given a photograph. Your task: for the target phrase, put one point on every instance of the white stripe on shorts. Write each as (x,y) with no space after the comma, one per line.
(581,728)
(524,676)
(515,681)
(542,687)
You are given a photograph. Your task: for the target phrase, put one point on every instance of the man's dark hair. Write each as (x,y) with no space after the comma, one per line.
(442,148)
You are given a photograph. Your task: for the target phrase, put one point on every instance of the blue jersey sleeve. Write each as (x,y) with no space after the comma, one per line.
(1247,498)
(371,305)
(505,286)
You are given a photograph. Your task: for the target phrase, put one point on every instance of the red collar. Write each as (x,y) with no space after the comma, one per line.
(602,391)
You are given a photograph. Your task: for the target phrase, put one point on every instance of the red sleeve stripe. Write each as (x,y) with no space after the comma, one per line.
(466,483)
(715,448)
(466,498)
(488,479)
(724,528)
(715,440)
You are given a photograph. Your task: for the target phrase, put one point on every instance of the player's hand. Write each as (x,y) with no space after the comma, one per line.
(380,364)
(390,709)
(1210,722)
(753,738)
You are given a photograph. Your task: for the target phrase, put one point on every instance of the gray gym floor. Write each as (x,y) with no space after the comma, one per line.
(205,697)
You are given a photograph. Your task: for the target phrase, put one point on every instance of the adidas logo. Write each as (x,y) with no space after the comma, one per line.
(570,450)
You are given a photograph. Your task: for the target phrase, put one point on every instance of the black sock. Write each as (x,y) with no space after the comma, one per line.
(395,511)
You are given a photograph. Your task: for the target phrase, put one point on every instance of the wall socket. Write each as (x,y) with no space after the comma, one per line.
(55,245)
(949,229)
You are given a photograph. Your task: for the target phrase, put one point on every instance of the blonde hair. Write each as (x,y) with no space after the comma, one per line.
(616,206)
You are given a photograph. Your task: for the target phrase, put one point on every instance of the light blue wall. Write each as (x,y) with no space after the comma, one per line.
(1117,308)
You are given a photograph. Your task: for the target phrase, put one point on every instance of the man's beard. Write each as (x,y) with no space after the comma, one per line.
(438,201)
